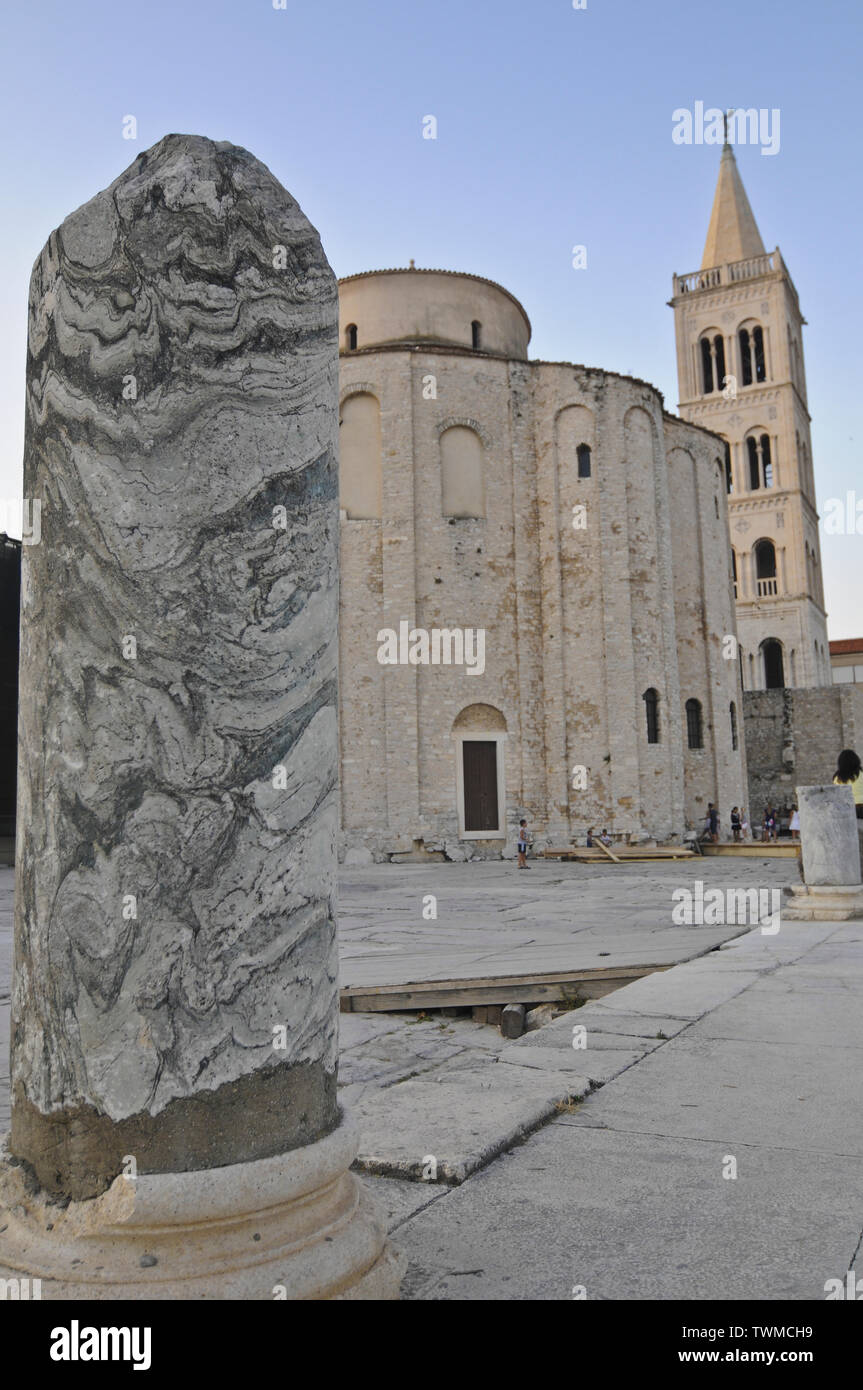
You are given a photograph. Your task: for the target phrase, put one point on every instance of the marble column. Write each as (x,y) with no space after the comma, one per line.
(830,850)
(175,1001)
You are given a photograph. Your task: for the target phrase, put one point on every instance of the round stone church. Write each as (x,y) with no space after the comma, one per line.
(537,612)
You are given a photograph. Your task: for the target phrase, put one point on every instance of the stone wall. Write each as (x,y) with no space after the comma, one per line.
(793,738)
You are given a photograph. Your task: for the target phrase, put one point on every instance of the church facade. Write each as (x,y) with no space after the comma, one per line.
(739,331)
(537,612)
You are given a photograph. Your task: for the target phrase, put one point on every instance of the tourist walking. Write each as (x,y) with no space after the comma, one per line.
(848,773)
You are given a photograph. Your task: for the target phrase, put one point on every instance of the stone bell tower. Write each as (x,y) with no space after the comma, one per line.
(740,372)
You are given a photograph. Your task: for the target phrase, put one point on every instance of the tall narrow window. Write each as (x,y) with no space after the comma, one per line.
(754,470)
(745,357)
(694,733)
(732,711)
(476,335)
(766,462)
(583,456)
(758,348)
(719,350)
(651,711)
(351,337)
(706,366)
(734,570)
(729,476)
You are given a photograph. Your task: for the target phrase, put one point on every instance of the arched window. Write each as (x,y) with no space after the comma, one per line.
(583,455)
(476,335)
(732,711)
(462,480)
(765,569)
(351,337)
(729,476)
(760,461)
(360,480)
(734,571)
(694,732)
(651,710)
(752,361)
(712,363)
(774,672)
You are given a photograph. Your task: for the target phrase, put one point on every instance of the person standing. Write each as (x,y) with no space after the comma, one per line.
(848,773)
(712,822)
(794,824)
(522,845)
(769,823)
(735,824)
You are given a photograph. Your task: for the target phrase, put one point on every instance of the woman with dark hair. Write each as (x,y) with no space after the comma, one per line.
(848,773)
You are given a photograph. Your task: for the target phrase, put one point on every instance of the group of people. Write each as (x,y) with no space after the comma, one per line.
(849,772)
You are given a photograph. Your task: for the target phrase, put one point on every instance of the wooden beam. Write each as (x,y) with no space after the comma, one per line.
(502,989)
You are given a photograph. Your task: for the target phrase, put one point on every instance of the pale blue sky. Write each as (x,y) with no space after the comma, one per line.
(554,128)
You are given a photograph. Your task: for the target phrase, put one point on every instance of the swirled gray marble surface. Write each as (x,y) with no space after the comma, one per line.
(175,890)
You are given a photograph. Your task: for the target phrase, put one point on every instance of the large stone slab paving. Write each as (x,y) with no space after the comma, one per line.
(493,921)
(460,1116)
(791,1011)
(632,1216)
(745,1092)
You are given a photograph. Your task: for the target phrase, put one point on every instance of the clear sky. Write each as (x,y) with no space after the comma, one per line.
(554,129)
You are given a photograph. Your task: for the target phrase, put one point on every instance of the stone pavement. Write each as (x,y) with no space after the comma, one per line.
(752,1058)
(494,919)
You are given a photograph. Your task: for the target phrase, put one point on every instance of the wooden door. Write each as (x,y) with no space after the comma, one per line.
(480,785)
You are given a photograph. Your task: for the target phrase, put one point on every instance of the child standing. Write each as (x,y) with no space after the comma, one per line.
(522,845)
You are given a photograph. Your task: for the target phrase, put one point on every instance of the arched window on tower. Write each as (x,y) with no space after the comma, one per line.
(732,712)
(694,731)
(760,461)
(706,367)
(351,337)
(774,672)
(582,453)
(476,335)
(765,569)
(651,711)
(753,366)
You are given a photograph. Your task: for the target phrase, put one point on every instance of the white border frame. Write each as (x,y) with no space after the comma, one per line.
(480,736)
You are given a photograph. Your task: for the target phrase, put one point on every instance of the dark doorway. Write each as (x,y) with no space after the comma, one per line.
(480,785)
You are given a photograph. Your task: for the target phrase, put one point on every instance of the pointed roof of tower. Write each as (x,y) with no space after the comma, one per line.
(732,234)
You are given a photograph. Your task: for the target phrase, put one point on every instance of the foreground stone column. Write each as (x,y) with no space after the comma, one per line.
(174,1015)
(831,890)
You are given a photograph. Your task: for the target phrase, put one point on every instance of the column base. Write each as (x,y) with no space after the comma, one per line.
(298,1226)
(813,903)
